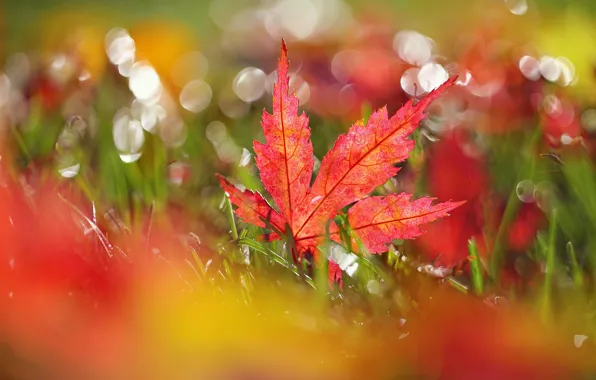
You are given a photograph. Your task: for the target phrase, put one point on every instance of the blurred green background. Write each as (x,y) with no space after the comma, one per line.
(21,17)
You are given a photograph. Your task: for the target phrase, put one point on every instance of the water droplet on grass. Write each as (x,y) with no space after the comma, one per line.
(413,47)
(525,191)
(517,7)
(249,84)
(130,157)
(196,96)
(529,67)
(144,83)
(120,47)
(431,76)
(579,339)
(588,120)
(409,82)
(245,158)
(373,287)
(70,171)
(544,194)
(550,68)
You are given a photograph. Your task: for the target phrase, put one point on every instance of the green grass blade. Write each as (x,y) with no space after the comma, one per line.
(231,221)
(576,271)
(546,296)
(476,269)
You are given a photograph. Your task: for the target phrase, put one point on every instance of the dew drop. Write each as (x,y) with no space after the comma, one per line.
(130,157)
(517,7)
(347,98)
(553,106)
(151,115)
(409,82)
(173,132)
(70,171)
(125,68)
(464,79)
(68,139)
(249,84)
(128,133)
(298,18)
(301,88)
(413,47)
(550,69)
(196,96)
(529,67)
(373,287)
(342,65)
(351,270)
(177,172)
(191,66)
(525,191)
(566,139)
(62,68)
(228,151)
(316,199)
(120,47)
(216,132)
(84,76)
(18,69)
(431,76)
(579,339)
(4,89)
(233,107)
(588,120)
(144,83)
(544,195)
(567,68)
(245,158)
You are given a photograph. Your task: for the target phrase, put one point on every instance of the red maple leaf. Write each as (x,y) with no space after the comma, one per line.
(360,161)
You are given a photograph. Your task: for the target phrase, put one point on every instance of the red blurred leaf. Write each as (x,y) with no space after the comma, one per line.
(449,237)
(445,181)
(361,160)
(560,122)
(447,240)
(523,229)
